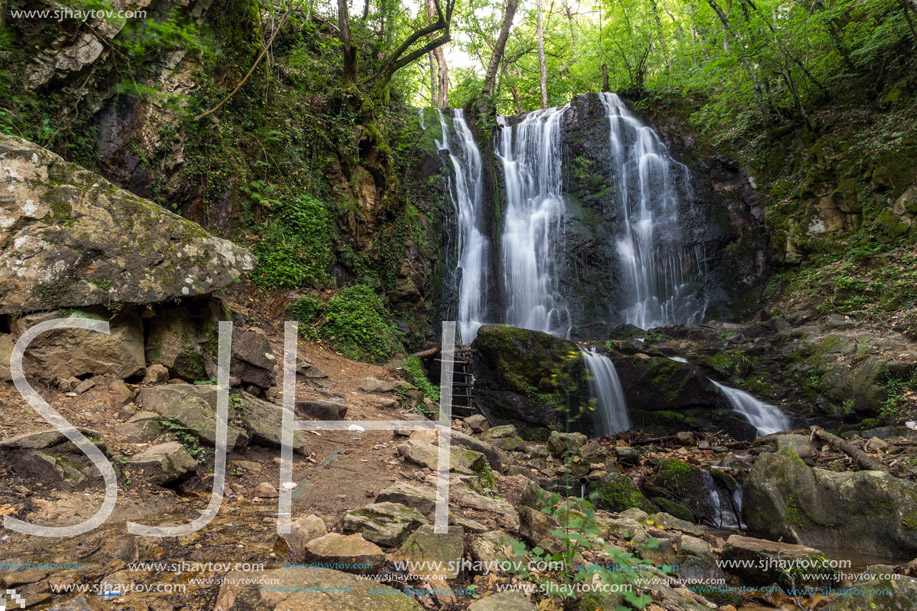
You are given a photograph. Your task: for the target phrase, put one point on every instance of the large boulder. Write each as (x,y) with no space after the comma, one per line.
(870,511)
(184,339)
(50,458)
(352,553)
(66,353)
(760,563)
(69,238)
(525,376)
(441,553)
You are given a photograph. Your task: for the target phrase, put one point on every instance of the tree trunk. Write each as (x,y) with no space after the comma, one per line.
(493,68)
(441,78)
(759,96)
(605,85)
(542,66)
(350,54)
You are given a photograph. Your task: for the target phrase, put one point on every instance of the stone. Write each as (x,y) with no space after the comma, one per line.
(183,339)
(192,406)
(302,531)
(503,601)
(759,562)
(501,432)
(322,410)
(427,455)
(686,484)
(352,551)
(84,386)
(156,374)
(799,444)
(869,511)
(670,522)
(497,458)
(72,239)
(265,490)
(562,445)
(903,596)
(684,438)
(65,353)
(374,385)
(494,550)
(477,423)
(315,589)
(143,427)
(253,361)
(493,507)
(442,553)
(421,499)
(535,527)
(77,603)
(264,422)
(164,463)
(385,524)
(617,492)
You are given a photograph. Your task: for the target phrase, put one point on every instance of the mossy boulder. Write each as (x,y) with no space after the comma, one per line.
(530,378)
(617,492)
(659,383)
(69,238)
(683,484)
(871,511)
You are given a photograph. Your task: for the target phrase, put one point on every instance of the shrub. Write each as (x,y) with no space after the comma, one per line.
(357,324)
(414,368)
(295,247)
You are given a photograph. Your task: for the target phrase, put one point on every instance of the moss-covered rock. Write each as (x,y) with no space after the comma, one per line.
(616,492)
(72,239)
(866,510)
(531,379)
(684,484)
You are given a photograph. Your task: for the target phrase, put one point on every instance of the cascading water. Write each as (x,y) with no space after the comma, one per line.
(764,417)
(473,246)
(532,240)
(659,271)
(605,386)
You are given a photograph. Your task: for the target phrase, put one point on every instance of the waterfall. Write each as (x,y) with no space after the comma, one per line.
(532,240)
(659,271)
(764,417)
(605,386)
(473,246)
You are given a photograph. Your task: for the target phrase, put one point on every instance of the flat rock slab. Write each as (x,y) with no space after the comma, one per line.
(427,455)
(315,589)
(192,406)
(503,601)
(421,499)
(163,463)
(767,562)
(322,410)
(386,524)
(374,385)
(72,239)
(442,554)
(350,553)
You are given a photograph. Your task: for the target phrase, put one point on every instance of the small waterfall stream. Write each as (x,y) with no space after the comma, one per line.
(765,417)
(605,386)
(532,240)
(473,246)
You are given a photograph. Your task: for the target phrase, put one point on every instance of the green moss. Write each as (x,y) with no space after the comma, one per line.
(675,509)
(794,511)
(618,493)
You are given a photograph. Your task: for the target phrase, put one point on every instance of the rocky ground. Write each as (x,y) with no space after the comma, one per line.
(370,496)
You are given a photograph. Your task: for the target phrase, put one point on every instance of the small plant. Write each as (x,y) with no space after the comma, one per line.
(185,436)
(414,368)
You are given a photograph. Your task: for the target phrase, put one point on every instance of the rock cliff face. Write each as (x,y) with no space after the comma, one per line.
(69,238)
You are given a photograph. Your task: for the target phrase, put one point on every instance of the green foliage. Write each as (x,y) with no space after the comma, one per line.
(294,250)
(414,368)
(185,436)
